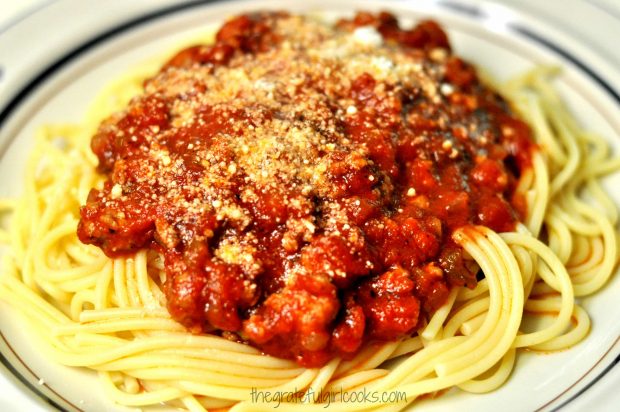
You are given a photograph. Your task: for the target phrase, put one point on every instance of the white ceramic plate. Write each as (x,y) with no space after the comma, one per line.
(48,79)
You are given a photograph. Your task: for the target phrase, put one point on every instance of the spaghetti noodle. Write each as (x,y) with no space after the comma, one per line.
(110,315)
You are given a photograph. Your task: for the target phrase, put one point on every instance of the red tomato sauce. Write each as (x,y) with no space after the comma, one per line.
(302,181)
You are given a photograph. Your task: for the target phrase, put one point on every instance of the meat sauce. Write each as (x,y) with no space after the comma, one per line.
(302,181)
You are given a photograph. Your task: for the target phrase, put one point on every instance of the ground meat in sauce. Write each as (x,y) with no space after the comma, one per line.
(302,180)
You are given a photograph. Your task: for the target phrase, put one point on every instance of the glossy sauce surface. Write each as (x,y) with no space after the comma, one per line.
(302,181)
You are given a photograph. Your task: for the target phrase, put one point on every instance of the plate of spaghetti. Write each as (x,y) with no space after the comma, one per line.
(249,206)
